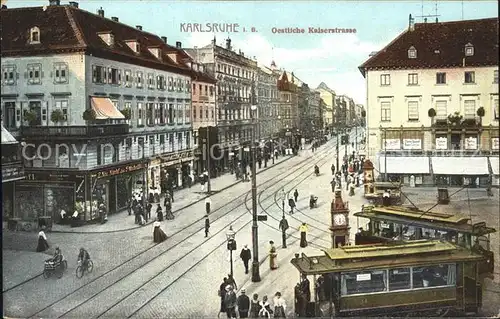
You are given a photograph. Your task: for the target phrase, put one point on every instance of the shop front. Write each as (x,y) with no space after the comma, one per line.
(418,173)
(177,166)
(460,171)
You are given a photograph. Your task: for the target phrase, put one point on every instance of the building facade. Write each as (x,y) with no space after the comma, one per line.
(267,102)
(329,98)
(101,114)
(433,101)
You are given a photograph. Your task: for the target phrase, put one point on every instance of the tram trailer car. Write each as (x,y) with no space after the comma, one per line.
(420,278)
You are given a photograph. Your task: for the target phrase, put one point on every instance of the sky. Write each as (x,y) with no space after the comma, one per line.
(314,58)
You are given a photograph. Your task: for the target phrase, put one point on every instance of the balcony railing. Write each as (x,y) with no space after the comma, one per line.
(86,131)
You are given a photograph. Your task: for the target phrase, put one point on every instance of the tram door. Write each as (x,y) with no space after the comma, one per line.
(471,286)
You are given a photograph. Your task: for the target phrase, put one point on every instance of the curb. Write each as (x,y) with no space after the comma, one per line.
(181,208)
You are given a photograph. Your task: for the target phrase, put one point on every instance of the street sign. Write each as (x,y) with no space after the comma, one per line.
(262,218)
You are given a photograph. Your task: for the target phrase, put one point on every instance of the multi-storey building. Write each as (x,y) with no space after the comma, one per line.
(345,111)
(289,107)
(12,170)
(309,111)
(267,102)
(101,107)
(359,112)
(236,76)
(328,97)
(432,101)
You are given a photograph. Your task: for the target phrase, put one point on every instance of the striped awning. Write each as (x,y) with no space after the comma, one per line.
(7,138)
(105,109)
(460,165)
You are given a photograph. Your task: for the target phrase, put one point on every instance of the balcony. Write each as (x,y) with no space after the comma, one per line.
(82,131)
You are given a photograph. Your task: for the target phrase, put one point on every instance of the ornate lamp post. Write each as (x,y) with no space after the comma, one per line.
(255,227)
(231,245)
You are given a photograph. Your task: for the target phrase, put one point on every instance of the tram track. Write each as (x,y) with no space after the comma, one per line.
(60,300)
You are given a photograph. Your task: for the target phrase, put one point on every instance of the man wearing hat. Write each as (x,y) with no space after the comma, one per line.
(243,303)
(230,301)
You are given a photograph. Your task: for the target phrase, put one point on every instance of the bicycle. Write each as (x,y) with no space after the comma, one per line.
(80,270)
(58,268)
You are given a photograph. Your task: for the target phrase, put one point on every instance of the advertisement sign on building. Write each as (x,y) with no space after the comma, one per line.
(412,144)
(495,143)
(392,144)
(471,143)
(441,143)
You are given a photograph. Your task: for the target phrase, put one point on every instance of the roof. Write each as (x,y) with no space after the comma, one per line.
(324,87)
(7,138)
(446,253)
(440,45)
(66,28)
(415,213)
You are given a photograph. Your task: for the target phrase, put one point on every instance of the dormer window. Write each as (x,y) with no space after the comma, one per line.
(412,53)
(134,45)
(34,35)
(469,49)
(156,52)
(107,37)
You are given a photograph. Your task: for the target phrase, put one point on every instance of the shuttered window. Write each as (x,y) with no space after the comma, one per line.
(441,109)
(469,108)
(412,111)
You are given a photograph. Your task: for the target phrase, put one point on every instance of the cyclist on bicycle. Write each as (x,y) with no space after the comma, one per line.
(84,257)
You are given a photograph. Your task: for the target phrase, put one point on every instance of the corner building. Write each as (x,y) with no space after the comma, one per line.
(102,107)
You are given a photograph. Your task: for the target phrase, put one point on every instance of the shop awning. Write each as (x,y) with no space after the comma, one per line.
(404,165)
(495,163)
(460,165)
(7,138)
(105,109)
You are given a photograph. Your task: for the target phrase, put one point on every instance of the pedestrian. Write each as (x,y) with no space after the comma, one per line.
(43,245)
(351,189)
(222,295)
(305,288)
(254,306)
(333,169)
(208,203)
(245,255)
(159,213)
(230,302)
(272,256)
(279,306)
(296,195)
(303,233)
(291,203)
(283,225)
(265,308)
(243,304)
(259,162)
(231,281)
(158,234)
(386,198)
(148,211)
(129,206)
(333,185)
(207,225)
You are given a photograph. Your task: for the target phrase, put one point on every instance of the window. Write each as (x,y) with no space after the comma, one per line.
(469,108)
(496,110)
(194,112)
(171,114)
(9,114)
(9,74)
(60,73)
(434,276)
(385,111)
(211,90)
(128,78)
(206,113)
(34,35)
(171,141)
(441,109)
(150,113)
(399,279)
(63,106)
(469,49)
(412,111)
(495,76)
(470,77)
(151,81)
(412,53)
(162,113)
(140,114)
(385,79)
(412,79)
(114,76)
(188,86)
(180,114)
(179,140)
(364,282)
(440,78)
(188,139)
(34,73)
(99,74)
(194,89)
(187,114)
(139,79)
(161,82)
(170,83)
(179,85)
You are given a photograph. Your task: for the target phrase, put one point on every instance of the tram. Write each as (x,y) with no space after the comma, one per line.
(405,223)
(418,278)
(374,192)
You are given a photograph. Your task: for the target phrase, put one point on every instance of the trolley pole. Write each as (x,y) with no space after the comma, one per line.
(255,227)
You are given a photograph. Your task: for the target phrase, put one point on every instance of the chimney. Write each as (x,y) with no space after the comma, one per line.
(437,20)
(100,12)
(411,23)
(228,44)
(73,4)
(54,2)
(213,41)
(425,20)
(138,27)
(115,19)
(178,45)
(164,39)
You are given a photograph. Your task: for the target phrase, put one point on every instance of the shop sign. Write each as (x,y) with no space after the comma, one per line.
(495,143)
(441,143)
(392,144)
(471,143)
(176,156)
(119,170)
(155,162)
(10,173)
(412,144)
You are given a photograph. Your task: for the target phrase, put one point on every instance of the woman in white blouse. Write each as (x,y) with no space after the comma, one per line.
(279,306)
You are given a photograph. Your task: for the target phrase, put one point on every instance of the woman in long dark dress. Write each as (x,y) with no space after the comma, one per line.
(303,232)
(222,295)
(43,245)
(158,234)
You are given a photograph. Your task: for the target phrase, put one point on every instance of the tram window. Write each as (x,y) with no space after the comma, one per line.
(434,276)
(399,279)
(364,282)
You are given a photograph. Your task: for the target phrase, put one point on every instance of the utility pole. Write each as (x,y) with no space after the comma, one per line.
(208,154)
(255,227)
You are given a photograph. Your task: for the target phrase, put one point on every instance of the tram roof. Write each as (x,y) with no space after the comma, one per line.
(432,220)
(352,258)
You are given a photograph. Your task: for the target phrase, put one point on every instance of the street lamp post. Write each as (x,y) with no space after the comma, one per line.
(255,227)
(231,245)
(337,150)
(208,154)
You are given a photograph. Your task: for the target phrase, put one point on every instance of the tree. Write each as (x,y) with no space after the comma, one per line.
(89,115)
(480,112)
(30,116)
(57,116)
(127,113)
